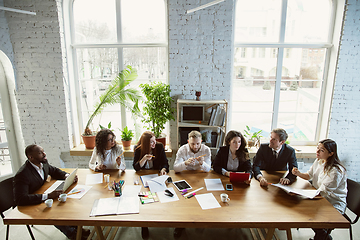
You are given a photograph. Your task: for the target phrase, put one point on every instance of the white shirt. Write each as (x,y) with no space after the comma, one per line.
(232,164)
(110,159)
(332,185)
(184,153)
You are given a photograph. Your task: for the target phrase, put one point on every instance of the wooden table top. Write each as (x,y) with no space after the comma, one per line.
(249,207)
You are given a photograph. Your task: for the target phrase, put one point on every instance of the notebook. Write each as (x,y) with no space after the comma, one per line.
(239,177)
(62,184)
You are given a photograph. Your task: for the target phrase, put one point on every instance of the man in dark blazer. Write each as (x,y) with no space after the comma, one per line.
(275,156)
(32,175)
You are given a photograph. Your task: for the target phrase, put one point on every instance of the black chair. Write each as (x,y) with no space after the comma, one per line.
(353,202)
(7,201)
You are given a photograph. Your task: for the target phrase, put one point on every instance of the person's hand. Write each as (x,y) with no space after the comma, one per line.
(295,171)
(118,160)
(147,157)
(227,174)
(284,181)
(200,160)
(76,179)
(190,161)
(55,194)
(248,182)
(263,182)
(100,167)
(163,171)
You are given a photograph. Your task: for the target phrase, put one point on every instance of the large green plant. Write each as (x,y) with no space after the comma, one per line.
(118,92)
(157,106)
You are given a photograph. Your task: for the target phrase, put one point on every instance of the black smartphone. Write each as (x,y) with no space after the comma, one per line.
(229,187)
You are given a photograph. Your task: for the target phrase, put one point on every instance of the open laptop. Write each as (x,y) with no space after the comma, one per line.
(62,184)
(239,177)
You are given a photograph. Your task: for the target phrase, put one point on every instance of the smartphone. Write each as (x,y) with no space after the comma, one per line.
(229,187)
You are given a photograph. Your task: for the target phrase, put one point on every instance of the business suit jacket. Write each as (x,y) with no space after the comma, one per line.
(265,160)
(221,160)
(27,180)
(159,162)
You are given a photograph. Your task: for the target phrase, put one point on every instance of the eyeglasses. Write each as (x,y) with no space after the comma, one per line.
(112,139)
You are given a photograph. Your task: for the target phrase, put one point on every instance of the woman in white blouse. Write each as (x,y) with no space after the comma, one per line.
(329,176)
(107,154)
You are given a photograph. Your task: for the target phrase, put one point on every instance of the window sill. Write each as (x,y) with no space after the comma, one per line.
(300,151)
(82,151)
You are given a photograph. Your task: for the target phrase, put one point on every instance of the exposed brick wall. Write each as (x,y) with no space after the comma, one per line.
(39,75)
(344,122)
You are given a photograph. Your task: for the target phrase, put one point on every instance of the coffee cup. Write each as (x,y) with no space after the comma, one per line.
(49,202)
(224,198)
(107,178)
(62,197)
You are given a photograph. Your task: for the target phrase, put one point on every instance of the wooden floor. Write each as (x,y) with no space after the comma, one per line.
(124,233)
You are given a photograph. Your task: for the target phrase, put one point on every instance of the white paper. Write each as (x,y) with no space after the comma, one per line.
(94,178)
(307,193)
(207,201)
(164,198)
(131,190)
(128,205)
(83,190)
(146,178)
(54,186)
(116,205)
(157,184)
(214,184)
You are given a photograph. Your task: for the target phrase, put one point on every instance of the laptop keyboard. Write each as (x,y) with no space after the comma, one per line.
(60,187)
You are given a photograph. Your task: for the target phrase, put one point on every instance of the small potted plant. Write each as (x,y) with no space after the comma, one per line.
(253,139)
(157,108)
(126,137)
(117,92)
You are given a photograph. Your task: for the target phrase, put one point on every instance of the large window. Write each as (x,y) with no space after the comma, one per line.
(280,66)
(108,35)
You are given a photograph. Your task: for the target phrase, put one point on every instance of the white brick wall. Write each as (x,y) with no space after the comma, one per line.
(344,123)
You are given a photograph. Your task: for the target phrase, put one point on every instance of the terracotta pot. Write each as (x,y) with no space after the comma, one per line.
(126,144)
(89,141)
(251,143)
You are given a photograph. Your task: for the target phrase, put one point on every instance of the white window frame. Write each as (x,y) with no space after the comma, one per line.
(72,72)
(332,47)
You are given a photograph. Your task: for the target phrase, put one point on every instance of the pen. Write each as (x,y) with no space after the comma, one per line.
(106,185)
(191,195)
(74,193)
(121,154)
(201,156)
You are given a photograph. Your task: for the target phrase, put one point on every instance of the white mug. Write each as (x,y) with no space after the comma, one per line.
(49,202)
(107,178)
(62,197)
(224,198)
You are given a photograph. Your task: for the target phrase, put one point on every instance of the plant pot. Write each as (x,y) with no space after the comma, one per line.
(162,139)
(89,141)
(126,144)
(250,143)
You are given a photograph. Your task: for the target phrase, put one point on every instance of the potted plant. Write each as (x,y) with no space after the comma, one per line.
(126,137)
(117,92)
(253,139)
(157,108)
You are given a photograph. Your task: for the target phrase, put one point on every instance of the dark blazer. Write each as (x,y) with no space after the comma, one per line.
(221,160)
(27,180)
(265,160)
(159,162)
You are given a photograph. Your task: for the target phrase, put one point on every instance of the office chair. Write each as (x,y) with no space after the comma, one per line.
(7,201)
(353,202)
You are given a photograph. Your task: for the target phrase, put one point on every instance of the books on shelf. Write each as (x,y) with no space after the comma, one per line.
(217,116)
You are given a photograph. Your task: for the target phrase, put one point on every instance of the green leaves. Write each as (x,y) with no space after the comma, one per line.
(126,134)
(157,106)
(118,92)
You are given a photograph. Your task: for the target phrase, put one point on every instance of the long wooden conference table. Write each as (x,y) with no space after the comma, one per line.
(250,207)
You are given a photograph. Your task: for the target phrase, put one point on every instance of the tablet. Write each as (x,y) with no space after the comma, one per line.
(182,185)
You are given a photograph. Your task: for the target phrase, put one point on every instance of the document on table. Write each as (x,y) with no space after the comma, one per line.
(146,178)
(79,191)
(207,201)
(94,178)
(306,193)
(131,190)
(164,198)
(116,205)
(214,184)
(157,184)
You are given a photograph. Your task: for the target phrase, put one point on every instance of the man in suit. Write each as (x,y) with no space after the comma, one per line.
(32,175)
(275,156)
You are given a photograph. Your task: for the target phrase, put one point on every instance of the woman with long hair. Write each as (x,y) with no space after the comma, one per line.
(329,176)
(107,153)
(150,154)
(234,156)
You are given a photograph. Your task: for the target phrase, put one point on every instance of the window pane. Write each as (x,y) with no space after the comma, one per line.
(95,21)
(143,21)
(5,160)
(257,21)
(307,21)
(299,126)
(255,121)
